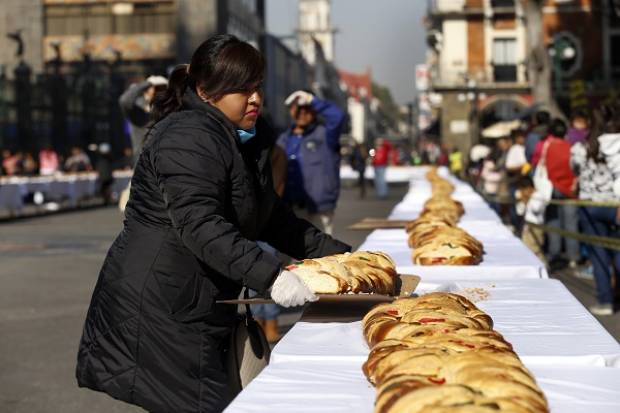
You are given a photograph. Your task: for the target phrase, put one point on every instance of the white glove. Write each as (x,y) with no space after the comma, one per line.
(289,290)
(300,97)
(157,80)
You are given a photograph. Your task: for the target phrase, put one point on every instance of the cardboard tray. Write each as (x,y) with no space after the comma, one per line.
(378,223)
(405,286)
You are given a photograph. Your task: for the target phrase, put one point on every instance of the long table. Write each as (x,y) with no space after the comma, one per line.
(544,322)
(340,387)
(316,367)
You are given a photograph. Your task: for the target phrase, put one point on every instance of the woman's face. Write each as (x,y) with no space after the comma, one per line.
(241,108)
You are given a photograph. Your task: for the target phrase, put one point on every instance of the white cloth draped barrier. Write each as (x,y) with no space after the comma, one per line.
(71,187)
(316,367)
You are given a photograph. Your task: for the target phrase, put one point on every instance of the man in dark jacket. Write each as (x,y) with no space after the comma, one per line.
(313,153)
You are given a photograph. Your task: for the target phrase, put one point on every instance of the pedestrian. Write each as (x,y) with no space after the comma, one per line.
(380,161)
(358,163)
(556,150)
(456,162)
(539,131)
(78,161)
(516,166)
(49,163)
(596,162)
(202,196)
(313,153)
(579,124)
(12,163)
(135,104)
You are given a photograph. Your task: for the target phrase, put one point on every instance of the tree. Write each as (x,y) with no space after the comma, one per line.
(539,64)
(388,109)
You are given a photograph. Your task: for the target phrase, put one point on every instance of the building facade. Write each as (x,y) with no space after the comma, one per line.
(315,25)
(477,65)
(145,32)
(479,53)
(361,105)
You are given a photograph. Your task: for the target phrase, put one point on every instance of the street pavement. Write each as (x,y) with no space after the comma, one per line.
(49,268)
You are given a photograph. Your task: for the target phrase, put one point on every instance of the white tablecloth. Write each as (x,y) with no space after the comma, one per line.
(393,174)
(541,319)
(308,387)
(506,257)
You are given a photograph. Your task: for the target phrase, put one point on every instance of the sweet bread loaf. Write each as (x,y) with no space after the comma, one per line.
(358,272)
(439,353)
(434,236)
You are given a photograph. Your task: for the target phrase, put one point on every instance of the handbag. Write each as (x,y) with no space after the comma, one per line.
(542,184)
(249,350)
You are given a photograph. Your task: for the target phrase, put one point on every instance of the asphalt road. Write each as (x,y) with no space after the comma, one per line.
(48,269)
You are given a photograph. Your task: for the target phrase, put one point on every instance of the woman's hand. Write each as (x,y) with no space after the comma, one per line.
(289,290)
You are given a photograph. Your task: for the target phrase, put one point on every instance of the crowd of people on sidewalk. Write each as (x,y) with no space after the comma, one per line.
(533,176)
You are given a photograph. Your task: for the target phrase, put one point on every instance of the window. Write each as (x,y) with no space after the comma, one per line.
(98,19)
(504,51)
(505,60)
(502,3)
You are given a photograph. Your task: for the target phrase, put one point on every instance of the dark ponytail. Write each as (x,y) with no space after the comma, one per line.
(171,99)
(220,65)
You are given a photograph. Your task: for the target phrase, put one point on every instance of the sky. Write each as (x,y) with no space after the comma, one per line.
(386,35)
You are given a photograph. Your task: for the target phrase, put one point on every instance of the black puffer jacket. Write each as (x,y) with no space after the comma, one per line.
(199,200)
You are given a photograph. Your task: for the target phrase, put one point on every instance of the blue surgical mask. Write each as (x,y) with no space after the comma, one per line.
(246,135)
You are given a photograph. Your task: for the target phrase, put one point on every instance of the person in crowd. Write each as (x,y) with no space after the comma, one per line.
(493,174)
(12,163)
(313,154)
(358,163)
(202,196)
(529,209)
(49,162)
(516,166)
(456,162)
(30,167)
(477,155)
(103,166)
(380,161)
(579,125)
(596,162)
(78,161)
(556,150)
(515,157)
(538,132)
(135,104)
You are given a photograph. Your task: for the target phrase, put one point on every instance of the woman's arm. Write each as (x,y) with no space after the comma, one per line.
(193,178)
(297,237)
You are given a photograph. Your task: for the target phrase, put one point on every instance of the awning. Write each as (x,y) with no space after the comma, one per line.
(501,129)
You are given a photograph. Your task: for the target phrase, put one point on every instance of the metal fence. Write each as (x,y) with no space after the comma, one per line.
(62,107)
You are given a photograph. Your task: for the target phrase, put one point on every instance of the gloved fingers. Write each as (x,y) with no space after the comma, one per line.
(157,80)
(292,97)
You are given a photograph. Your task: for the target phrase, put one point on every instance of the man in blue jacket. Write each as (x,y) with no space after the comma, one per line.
(313,153)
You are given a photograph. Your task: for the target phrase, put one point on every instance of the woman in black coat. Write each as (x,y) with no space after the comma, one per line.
(201,196)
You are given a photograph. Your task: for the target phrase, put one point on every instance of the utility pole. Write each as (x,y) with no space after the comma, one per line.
(539,63)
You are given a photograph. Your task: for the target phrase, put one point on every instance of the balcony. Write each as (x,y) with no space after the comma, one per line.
(504,73)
